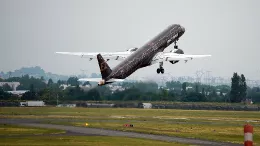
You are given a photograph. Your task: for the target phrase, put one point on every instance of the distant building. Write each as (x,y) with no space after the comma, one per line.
(65,86)
(18,92)
(189,87)
(248,101)
(147,105)
(13,85)
(66,105)
(100,105)
(32,103)
(218,93)
(116,88)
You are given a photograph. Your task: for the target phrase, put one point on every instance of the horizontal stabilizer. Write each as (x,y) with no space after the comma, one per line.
(90,79)
(115,80)
(100,79)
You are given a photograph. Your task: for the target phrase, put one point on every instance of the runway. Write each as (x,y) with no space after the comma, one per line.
(73,130)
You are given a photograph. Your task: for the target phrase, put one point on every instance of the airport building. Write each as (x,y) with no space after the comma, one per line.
(13,85)
(32,103)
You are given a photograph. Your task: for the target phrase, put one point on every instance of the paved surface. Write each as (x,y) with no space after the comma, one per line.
(104,132)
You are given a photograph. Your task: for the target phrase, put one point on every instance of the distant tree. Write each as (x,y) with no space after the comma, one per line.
(42,78)
(50,82)
(243,87)
(214,93)
(146,86)
(235,88)
(4,95)
(26,81)
(194,97)
(172,96)
(173,85)
(164,95)
(223,88)
(6,87)
(32,88)
(197,88)
(93,94)
(184,86)
(203,91)
(60,82)
(221,94)
(86,83)
(73,81)
(104,92)
(29,96)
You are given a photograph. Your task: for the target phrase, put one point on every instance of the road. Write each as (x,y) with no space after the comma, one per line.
(105,132)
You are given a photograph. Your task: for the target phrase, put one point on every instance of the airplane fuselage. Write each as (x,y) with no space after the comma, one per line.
(144,55)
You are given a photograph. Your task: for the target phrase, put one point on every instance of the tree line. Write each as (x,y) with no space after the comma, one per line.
(50,91)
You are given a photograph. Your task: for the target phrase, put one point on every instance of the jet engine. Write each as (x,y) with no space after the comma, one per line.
(131,49)
(177,51)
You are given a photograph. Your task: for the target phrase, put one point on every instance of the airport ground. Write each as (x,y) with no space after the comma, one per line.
(24,135)
(215,126)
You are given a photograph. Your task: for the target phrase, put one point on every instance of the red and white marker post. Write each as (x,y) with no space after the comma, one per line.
(248,135)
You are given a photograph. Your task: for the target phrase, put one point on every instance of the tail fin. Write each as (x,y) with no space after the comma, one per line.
(104,68)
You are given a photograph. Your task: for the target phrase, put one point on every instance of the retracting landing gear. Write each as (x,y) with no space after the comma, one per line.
(160,69)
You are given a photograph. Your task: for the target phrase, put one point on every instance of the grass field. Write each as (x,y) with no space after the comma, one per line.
(12,130)
(212,125)
(11,135)
(82,141)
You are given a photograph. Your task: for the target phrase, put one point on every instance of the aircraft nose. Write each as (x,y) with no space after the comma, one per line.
(182,29)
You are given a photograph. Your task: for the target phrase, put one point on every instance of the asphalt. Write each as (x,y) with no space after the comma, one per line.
(73,130)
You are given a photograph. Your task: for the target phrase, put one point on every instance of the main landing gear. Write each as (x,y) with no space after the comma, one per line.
(160,69)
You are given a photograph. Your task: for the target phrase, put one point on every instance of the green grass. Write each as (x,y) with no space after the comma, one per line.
(82,141)
(13,130)
(12,135)
(212,125)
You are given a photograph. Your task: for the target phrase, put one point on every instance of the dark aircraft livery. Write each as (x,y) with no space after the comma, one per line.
(135,58)
(142,57)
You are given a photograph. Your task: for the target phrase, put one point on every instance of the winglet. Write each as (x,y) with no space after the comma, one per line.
(104,68)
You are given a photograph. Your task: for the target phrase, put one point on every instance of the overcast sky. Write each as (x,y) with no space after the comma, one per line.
(32,30)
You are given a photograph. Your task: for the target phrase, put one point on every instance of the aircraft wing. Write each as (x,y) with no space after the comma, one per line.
(93,55)
(174,56)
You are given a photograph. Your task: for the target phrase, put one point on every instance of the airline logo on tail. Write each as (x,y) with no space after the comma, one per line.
(103,66)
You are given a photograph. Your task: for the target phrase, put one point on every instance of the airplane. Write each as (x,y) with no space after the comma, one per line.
(136,58)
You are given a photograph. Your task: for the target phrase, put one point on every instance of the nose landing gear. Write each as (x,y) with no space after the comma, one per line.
(175,45)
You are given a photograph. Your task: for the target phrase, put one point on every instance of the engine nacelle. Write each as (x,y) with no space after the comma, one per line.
(179,51)
(132,49)
(174,61)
